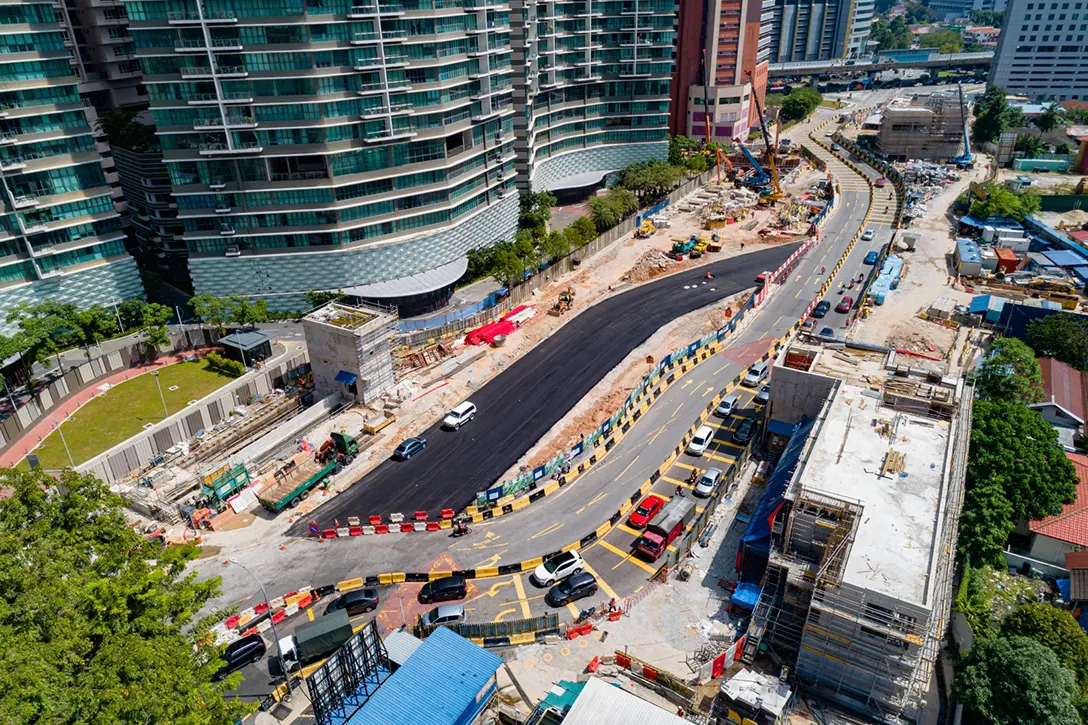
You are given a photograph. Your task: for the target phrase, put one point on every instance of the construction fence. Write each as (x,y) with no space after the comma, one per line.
(499,634)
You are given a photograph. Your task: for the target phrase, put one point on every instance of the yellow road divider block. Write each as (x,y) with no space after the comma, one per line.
(525,638)
(530,564)
(487,572)
(348,584)
(438,574)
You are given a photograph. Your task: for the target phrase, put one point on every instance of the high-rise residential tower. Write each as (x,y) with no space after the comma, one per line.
(818,29)
(592,91)
(61,233)
(720,53)
(333,144)
(1041,52)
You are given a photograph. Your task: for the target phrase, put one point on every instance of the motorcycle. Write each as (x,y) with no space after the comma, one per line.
(851,285)
(461,530)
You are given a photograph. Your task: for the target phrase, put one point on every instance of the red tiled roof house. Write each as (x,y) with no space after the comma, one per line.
(1055,536)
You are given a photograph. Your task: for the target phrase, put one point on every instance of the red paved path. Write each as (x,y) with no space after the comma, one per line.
(38,432)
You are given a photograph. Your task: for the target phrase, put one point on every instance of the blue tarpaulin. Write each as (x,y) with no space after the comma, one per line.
(1063,587)
(756,540)
(745,595)
(346,378)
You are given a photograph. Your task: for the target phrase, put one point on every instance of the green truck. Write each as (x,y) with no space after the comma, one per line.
(295,481)
(312,642)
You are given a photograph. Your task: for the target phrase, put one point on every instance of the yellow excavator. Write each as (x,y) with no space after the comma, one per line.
(564,303)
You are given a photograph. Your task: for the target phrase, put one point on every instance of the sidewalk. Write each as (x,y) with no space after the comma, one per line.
(38,432)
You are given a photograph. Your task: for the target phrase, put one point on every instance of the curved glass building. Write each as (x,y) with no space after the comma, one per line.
(367,145)
(60,233)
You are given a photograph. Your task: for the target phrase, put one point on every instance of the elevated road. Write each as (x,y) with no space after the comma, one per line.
(823,67)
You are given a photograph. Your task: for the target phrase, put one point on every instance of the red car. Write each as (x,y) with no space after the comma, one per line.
(845,304)
(881,182)
(645,511)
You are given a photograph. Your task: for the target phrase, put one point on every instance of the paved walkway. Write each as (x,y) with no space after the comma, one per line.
(38,432)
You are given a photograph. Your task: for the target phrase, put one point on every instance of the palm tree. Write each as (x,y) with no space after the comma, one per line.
(1051,117)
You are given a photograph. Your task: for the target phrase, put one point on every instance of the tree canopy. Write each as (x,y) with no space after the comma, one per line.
(947,41)
(1015,680)
(1003,201)
(891,36)
(993,116)
(1062,336)
(98,625)
(124,131)
(535,209)
(800,103)
(653,178)
(1011,373)
(1051,118)
(220,311)
(1014,446)
(985,524)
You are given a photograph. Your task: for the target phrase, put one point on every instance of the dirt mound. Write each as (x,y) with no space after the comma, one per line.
(649,265)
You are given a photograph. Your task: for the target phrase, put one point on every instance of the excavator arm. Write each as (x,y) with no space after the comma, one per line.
(772,150)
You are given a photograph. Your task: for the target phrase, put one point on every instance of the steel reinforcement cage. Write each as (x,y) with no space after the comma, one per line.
(349,677)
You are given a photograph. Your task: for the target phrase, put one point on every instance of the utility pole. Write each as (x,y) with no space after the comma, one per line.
(165,412)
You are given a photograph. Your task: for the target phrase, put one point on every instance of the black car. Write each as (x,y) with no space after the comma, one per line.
(743,433)
(243,652)
(359,601)
(446,589)
(577,586)
(821,309)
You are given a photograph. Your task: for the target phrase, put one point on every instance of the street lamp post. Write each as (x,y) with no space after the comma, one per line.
(264,594)
(165,412)
(62,440)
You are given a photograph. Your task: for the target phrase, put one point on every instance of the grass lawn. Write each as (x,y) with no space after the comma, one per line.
(123,411)
(774,99)
(831,104)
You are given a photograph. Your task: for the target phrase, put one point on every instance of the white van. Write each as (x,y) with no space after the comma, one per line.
(460,415)
(701,440)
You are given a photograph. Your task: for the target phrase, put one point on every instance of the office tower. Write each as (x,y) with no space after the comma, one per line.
(727,34)
(592,91)
(818,30)
(333,144)
(1041,51)
(62,236)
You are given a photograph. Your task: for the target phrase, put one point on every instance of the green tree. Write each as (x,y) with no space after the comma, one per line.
(652,178)
(555,246)
(800,103)
(97,323)
(574,237)
(1015,680)
(535,209)
(697,163)
(1002,201)
(680,147)
(603,213)
(123,130)
(156,334)
(213,310)
(131,313)
(1013,445)
(973,599)
(99,625)
(586,229)
(917,13)
(1011,373)
(1028,145)
(947,41)
(46,328)
(1051,118)
(246,313)
(985,524)
(1063,148)
(1062,336)
(1053,628)
(992,115)
(508,267)
(987,18)
(524,247)
(318,298)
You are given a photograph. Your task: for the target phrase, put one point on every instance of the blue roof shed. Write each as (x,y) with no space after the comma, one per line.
(1065,258)
(447,681)
(988,305)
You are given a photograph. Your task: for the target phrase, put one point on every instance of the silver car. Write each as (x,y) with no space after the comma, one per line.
(764,394)
(708,482)
(867,235)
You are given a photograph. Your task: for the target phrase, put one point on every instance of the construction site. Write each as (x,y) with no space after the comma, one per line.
(854,537)
(923,127)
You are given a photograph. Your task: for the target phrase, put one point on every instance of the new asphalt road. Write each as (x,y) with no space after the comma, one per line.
(524,401)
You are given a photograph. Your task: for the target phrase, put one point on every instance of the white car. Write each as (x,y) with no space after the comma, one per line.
(701,440)
(708,482)
(727,406)
(460,415)
(558,567)
(756,374)
(868,235)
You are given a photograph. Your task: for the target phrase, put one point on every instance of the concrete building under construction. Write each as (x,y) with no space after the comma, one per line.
(350,350)
(853,540)
(923,127)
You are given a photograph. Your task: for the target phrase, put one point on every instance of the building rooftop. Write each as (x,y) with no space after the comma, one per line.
(758,691)
(1071,525)
(348,317)
(1064,386)
(246,339)
(894,549)
(603,704)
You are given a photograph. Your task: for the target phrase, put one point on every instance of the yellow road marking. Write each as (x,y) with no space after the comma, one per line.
(503,613)
(493,560)
(596,498)
(573,609)
(678,482)
(627,556)
(310,613)
(677,410)
(520,589)
(491,592)
(626,469)
(627,529)
(604,585)
(548,530)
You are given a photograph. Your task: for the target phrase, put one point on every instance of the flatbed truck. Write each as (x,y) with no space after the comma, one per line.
(294,483)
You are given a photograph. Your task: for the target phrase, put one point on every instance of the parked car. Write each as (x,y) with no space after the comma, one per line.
(558,567)
(240,653)
(446,589)
(645,511)
(359,601)
(764,394)
(744,431)
(822,308)
(446,614)
(867,235)
(727,406)
(708,482)
(701,440)
(409,448)
(827,332)
(845,304)
(579,586)
(756,374)
(460,415)
(871,257)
